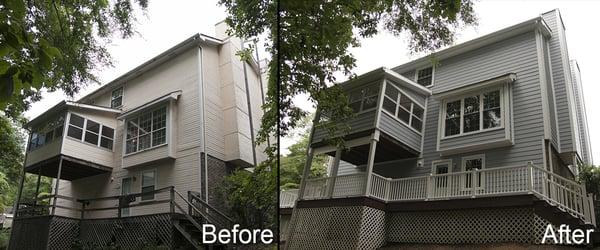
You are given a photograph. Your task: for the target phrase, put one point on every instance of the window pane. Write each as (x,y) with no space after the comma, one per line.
(49,136)
(58,131)
(369,102)
(115,103)
(452,126)
(75,132)
(132,129)
(117,92)
(355,106)
(355,96)
(425,76)
(491,100)
(453,109)
(76,120)
(471,122)
(416,123)
(106,143)
(92,126)
(159,118)
(159,137)
(91,138)
(146,197)
(471,105)
(491,118)
(403,114)
(145,123)
(148,182)
(405,102)
(108,132)
(144,141)
(391,92)
(131,146)
(418,112)
(389,105)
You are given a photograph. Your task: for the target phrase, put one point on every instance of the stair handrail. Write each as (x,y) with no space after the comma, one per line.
(196,196)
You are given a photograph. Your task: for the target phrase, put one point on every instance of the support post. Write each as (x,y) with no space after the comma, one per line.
(371,161)
(388,185)
(309,157)
(60,163)
(334,171)
(474,182)
(530,175)
(37,187)
(16,209)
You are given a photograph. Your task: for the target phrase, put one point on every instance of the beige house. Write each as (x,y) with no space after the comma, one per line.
(157,140)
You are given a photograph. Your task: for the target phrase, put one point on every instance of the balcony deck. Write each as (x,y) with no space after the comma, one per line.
(565,194)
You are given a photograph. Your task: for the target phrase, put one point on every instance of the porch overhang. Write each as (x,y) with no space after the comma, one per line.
(72,168)
(388,149)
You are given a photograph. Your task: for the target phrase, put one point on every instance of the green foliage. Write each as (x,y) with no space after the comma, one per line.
(292,165)
(251,196)
(55,45)
(591,176)
(309,42)
(4,238)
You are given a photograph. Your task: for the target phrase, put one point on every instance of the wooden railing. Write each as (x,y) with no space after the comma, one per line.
(287,198)
(568,195)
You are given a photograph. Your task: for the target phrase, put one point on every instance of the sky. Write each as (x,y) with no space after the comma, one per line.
(170,22)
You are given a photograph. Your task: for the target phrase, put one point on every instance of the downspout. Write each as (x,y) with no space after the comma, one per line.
(249,109)
(202,109)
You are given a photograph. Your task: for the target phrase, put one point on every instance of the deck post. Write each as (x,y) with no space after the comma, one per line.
(172,197)
(371,161)
(60,163)
(474,182)
(584,202)
(530,173)
(334,172)
(37,186)
(306,172)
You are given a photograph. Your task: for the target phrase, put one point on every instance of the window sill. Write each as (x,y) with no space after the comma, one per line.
(90,144)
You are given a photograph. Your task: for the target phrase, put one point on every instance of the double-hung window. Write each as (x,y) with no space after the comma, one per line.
(147,130)
(403,107)
(425,76)
(473,113)
(364,99)
(116,98)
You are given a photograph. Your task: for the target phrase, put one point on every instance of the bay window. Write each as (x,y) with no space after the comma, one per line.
(471,113)
(399,105)
(364,99)
(147,130)
(91,132)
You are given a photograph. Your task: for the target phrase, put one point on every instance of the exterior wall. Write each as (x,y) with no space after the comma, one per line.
(559,58)
(516,54)
(584,150)
(85,151)
(47,151)
(400,131)
(362,122)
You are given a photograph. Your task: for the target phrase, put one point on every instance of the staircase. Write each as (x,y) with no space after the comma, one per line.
(189,223)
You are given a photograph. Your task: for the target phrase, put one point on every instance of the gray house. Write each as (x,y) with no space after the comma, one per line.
(479,145)
(140,160)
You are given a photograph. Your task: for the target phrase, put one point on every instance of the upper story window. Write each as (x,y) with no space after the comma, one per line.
(425,76)
(91,132)
(364,99)
(146,130)
(116,98)
(403,107)
(51,131)
(473,113)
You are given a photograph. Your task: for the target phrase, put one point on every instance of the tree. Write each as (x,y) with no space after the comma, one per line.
(251,196)
(56,45)
(292,165)
(309,42)
(591,176)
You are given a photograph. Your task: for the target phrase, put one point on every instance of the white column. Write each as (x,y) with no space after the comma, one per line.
(371,161)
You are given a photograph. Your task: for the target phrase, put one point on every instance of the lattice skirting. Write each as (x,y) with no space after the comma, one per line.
(361,227)
(475,226)
(352,227)
(54,232)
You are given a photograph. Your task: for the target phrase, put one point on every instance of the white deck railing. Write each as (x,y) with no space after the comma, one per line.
(566,194)
(287,198)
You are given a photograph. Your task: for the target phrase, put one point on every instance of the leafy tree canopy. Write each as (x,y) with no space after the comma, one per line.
(56,45)
(310,40)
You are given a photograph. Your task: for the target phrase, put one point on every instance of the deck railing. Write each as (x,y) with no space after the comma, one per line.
(287,198)
(568,195)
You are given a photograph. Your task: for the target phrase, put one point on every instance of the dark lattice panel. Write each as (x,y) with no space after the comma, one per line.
(29,233)
(62,233)
(128,233)
(466,226)
(353,227)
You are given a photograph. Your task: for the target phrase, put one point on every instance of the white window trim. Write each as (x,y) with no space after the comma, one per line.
(463,166)
(142,184)
(410,111)
(436,163)
(416,78)
(122,97)
(503,108)
(137,115)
